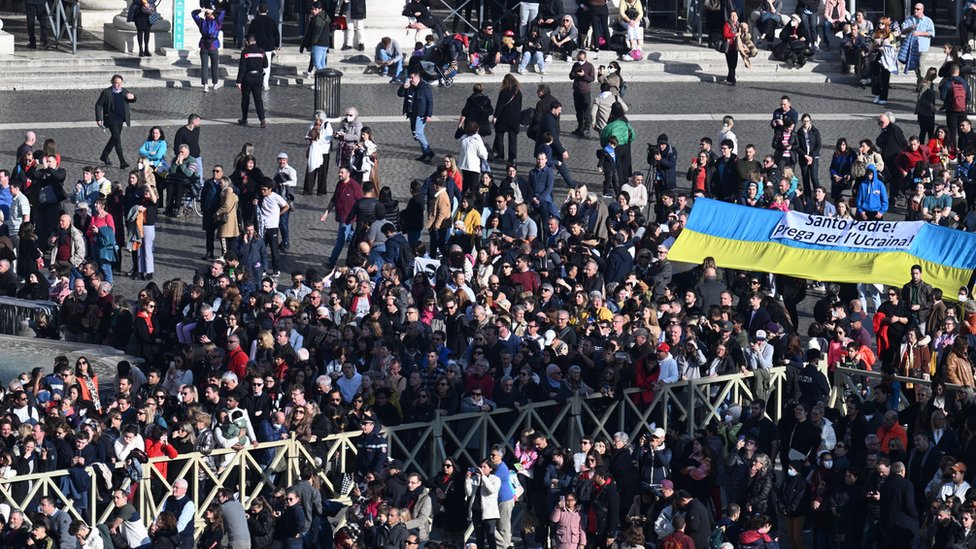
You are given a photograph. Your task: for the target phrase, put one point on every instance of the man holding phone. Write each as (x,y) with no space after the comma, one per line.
(582,74)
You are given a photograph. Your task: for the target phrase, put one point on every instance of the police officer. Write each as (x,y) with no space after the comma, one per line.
(250,78)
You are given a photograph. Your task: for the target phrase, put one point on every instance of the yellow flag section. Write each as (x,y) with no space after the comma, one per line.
(825,249)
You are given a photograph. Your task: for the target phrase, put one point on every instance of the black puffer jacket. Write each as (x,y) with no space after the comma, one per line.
(791,496)
(261,526)
(757,492)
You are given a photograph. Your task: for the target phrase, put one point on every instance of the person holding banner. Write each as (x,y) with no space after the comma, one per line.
(872,196)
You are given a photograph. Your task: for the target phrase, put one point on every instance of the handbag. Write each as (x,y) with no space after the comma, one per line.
(631,13)
(162,167)
(154,18)
(220,218)
(339,23)
(722,46)
(148,8)
(459,133)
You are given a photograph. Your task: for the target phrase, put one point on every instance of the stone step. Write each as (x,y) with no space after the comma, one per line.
(665,62)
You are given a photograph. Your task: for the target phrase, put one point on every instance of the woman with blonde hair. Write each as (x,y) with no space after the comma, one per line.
(227,215)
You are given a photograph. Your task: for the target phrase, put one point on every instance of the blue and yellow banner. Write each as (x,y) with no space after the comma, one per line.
(826,249)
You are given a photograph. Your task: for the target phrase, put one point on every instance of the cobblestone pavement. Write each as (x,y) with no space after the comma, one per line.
(684,112)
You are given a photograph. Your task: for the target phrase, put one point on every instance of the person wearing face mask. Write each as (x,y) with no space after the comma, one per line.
(791,497)
(823,483)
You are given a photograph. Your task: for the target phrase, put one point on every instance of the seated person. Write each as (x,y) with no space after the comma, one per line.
(767,19)
(419,17)
(508,53)
(534,50)
(485,49)
(853,50)
(794,47)
(563,39)
(549,11)
(388,56)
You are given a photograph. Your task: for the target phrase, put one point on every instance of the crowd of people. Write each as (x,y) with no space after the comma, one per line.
(513,298)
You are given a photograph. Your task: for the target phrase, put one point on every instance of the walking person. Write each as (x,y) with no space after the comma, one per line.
(264,29)
(345,196)
(112,111)
(272,206)
(508,108)
(729,34)
(318,37)
(250,79)
(319,139)
(418,106)
(582,74)
(210,24)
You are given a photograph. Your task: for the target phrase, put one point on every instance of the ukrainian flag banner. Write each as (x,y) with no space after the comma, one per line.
(826,248)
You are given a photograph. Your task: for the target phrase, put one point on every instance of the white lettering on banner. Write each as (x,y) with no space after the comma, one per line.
(426,266)
(833,231)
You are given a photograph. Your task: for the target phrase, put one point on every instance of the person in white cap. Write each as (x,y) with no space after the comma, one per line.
(286,179)
(759,354)
(653,459)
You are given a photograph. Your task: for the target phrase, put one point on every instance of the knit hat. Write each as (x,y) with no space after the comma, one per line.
(662,139)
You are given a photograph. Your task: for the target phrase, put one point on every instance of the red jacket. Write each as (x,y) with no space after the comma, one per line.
(237,363)
(156,449)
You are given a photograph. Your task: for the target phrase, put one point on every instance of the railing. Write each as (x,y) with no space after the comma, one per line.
(847,381)
(13,311)
(421,446)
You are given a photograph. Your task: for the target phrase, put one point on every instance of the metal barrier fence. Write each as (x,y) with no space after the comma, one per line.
(13,311)
(421,446)
(849,381)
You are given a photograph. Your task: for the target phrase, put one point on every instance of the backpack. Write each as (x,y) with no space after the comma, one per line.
(717,538)
(957,96)
(404,260)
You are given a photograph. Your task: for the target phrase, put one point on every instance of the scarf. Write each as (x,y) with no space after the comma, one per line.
(93,387)
(149,324)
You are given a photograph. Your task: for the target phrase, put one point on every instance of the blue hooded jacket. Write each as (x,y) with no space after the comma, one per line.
(872,195)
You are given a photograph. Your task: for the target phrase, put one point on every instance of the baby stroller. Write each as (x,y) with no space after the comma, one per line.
(431,71)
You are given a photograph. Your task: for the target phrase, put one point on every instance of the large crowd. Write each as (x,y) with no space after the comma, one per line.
(512,298)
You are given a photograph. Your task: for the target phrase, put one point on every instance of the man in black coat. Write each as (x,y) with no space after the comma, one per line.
(619,261)
(264,29)
(890,142)
(111,111)
(605,504)
(899,516)
(698,521)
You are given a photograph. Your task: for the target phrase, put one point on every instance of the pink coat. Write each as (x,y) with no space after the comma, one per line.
(569,529)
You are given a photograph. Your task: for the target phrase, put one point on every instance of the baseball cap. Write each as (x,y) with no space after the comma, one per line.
(959,467)
(760,334)
(658,433)
(664,348)
(283,155)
